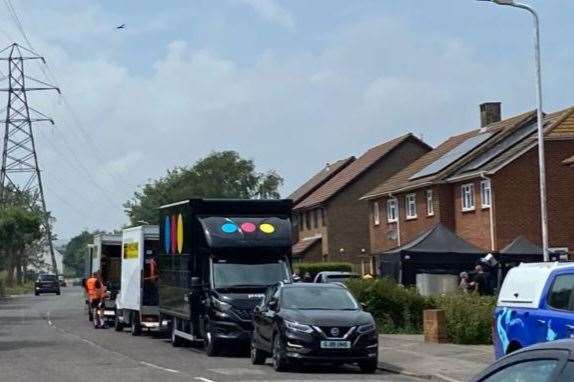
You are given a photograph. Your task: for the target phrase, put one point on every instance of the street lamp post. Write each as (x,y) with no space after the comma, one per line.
(540,122)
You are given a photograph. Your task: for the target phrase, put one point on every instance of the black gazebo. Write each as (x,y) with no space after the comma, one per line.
(438,251)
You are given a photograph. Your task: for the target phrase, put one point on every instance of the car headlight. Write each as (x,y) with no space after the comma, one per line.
(221,305)
(366,328)
(295,326)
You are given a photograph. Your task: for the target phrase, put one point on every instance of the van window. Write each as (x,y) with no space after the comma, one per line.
(561,292)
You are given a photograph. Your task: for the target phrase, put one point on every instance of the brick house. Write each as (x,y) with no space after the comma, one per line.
(332,221)
(483,185)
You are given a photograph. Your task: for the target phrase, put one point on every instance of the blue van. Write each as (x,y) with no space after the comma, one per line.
(535,304)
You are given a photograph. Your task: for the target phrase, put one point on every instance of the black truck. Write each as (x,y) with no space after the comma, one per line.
(217,259)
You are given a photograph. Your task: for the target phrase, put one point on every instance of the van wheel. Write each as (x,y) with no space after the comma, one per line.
(258,356)
(136,328)
(279,359)
(211,344)
(175,340)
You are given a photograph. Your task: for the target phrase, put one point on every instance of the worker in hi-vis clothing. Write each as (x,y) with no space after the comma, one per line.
(96,295)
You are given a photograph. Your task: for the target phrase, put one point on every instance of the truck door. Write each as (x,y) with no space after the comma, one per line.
(556,320)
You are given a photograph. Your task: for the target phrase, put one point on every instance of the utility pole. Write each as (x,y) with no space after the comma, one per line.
(20,172)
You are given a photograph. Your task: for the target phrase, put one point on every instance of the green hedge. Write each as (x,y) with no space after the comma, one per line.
(314,268)
(399,309)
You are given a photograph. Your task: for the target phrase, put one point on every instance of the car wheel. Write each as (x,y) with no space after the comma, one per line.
(36,293)
(368,367)
(258,356)
(58,293)
(279,358)
(211,344)
(175,340)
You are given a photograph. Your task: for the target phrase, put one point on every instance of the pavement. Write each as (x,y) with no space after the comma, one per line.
(410,355)
(48,338)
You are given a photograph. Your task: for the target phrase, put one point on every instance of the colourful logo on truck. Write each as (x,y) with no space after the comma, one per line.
(173,234)
(167,234)
(179,234)
(131,250)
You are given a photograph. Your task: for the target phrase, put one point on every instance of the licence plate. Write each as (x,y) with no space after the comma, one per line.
(335,344)
(109,312)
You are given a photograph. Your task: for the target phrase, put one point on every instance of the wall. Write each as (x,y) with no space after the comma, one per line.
(348,217)
(473,226)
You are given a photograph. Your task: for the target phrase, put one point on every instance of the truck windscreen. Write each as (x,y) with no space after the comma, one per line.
(237,274)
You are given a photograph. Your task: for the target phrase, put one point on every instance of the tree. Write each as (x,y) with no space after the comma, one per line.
(75,252)
(219,175)
(20,231)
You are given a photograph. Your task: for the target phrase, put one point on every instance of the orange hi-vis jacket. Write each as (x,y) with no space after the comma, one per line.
(94,288)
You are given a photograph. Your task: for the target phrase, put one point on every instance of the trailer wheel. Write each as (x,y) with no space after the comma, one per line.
(175,340)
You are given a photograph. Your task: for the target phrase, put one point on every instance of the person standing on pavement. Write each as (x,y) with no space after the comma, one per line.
(94,288)
(481,281)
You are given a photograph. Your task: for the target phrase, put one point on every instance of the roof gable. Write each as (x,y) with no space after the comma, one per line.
(352,172)
(319,179)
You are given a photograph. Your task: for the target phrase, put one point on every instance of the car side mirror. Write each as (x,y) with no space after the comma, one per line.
(273,305)
(363,306)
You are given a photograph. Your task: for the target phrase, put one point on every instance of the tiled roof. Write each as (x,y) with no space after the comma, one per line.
(401,180)
(351,172)
(318,179)
(304,244)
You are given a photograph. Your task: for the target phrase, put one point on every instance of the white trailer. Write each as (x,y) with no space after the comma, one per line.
(137,304)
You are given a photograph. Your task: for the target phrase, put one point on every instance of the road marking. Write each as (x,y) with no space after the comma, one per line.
(448,379)
(237,371)
(203,379)
(160,367)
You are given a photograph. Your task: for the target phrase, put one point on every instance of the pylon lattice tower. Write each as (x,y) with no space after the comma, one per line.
(20,172)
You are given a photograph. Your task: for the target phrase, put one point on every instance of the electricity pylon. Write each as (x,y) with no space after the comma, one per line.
(20,172)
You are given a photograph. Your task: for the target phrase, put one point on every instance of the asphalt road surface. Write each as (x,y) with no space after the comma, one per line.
(48,338)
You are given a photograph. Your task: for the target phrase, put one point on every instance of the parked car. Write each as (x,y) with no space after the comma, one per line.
(46,283)
(535,304)
(313,323)
(547,362)
(334,277)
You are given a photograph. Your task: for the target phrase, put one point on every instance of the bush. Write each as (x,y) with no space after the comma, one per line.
(396,309)
(399,309)
(314,268)
(468,317)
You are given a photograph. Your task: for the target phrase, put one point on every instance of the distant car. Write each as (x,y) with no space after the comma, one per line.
(535,304)
(313,323)
(334,277)
(47,283)
(547,362)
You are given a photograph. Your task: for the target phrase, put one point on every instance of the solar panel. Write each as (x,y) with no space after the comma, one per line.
(452,156)
(500,147)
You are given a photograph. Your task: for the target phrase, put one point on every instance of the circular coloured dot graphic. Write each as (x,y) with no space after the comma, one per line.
(267,228)
(248,227)
(229,228)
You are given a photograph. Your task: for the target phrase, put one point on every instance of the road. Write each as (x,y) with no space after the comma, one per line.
(48,338)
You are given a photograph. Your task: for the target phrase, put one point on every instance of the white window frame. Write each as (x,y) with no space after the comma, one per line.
(486,193)
(411,206)
(376,213)
(394,203)
(467,190)
(430,201)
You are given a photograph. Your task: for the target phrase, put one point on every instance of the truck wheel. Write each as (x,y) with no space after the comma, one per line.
(136,328)
(211,344)
(279,359)
(258,356)
(175,340)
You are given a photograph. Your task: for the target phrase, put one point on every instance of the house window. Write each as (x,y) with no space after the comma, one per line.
(430,205)
(411,204)
(376,214)
(322,213)
(485,193)
(392,210)
(467,193)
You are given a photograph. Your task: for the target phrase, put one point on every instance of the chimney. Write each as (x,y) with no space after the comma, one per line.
(489,113)
(328,167)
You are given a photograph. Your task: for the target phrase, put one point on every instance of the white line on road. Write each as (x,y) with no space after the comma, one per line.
(160,367)
(203,379)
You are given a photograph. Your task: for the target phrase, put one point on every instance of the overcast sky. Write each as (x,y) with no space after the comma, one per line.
(290,84)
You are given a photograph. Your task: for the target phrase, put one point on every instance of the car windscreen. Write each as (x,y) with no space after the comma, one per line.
(318,298)
(230,274)
(48,278)
(340,278)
